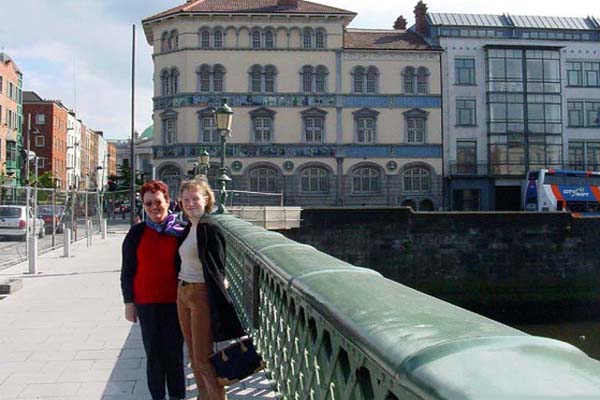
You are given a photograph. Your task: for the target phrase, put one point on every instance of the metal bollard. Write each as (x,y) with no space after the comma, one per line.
(103,228)
(67,242)
(32,255)
(88,233)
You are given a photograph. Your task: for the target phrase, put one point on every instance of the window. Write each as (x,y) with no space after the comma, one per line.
(466,156)
(169,82)
(321,79)
(417,180)
(170,41)
(40,119)
(314,125)
(583,114)
(307,39)
(466,200)
(320,39)
(210,79)
(269,39)
(408,80)
(415,125)
(365,80)
(314,79)
(169,127)
(164,42)
(264,180)
(262,79)
(41,162)
(422,80)
(40,141)
(584,155)
(366,180)
(208,128)
(256,39)
(218,39)
(465,112)
(1,118)
(262,125)
(11,151)
(586,74)
(307,78)
(314,180)
(465,71)
(365,121)
(205,38)
(1,84)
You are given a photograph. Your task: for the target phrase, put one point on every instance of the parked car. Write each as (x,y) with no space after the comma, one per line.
(13,222)
(45,212)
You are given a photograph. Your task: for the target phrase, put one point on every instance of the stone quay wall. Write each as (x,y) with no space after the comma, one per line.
(492,262)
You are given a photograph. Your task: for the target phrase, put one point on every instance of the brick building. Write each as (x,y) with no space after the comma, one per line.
(11,120)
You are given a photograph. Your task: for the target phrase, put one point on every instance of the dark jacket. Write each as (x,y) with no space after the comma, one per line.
(225,323)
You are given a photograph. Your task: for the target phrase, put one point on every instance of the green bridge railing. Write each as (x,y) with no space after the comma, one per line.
(332,331)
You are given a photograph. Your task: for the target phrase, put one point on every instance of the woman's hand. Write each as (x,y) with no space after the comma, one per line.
(130,312)
(225,283)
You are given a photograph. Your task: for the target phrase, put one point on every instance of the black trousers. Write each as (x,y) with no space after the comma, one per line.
(163,343)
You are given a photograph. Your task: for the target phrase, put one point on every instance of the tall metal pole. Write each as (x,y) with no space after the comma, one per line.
(132,143)
(28,147)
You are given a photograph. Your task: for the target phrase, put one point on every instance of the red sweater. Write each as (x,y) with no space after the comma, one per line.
(155,280)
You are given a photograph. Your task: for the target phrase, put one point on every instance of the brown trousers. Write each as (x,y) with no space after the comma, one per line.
(194,318)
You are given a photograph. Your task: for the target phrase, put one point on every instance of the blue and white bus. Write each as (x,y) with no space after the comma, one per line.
(562,190)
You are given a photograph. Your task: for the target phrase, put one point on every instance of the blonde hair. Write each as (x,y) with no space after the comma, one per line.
(202,185)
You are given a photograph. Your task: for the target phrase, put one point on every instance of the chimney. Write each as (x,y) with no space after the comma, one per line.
(287,3)
(400,23)
(421,18)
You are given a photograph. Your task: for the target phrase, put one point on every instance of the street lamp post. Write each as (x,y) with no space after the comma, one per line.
(224,117)
(203,163)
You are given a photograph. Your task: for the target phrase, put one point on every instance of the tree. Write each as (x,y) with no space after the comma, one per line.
(123,178)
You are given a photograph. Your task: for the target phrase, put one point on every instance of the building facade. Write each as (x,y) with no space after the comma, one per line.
(521,93)
(326,115)
(11,121)
(48,135)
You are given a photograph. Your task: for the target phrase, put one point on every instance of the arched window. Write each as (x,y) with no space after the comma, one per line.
(164,42)
(165,83)
(204,78)
(256,78)
(416,125)
(205,38)
(408,77)
(314,180)
(307,78)
(208,128)
(256,39)
(426,205)
(417,180)
(321,79)
(174,81)
(270,73)
(372,75)
(320,39)
(218,38)
(269,39)
(264,180)
(218,77)
(366,180)
(409,203)
(169,127)
(358,74)
(307,39)
(313,121)
(422,80)
(173,40)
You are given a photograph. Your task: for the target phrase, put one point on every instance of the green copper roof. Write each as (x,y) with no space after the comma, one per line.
(148,133)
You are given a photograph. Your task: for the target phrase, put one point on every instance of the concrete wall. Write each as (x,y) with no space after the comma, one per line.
(513,262)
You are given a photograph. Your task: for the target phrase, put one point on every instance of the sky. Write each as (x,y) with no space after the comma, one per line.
(79,51)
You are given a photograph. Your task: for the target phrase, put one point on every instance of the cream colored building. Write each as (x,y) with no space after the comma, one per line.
(324,114)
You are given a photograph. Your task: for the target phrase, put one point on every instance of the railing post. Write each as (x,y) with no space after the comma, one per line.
(103,227)
(67,242)
(88,233)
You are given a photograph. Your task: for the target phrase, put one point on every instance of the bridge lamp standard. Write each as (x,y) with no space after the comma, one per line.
(223,120)
(203,163)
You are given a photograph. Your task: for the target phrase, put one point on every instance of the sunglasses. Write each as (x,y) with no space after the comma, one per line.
(151,203)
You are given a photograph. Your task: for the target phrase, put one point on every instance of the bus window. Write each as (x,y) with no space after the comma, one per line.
(533,176)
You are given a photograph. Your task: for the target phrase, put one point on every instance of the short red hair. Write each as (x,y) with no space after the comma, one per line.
(155,186)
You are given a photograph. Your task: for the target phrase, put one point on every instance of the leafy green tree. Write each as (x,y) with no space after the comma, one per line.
(123,178)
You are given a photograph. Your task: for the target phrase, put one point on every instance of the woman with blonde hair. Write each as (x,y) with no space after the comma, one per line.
(206,313)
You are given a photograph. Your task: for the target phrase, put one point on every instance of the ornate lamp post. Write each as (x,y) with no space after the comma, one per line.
(223,117)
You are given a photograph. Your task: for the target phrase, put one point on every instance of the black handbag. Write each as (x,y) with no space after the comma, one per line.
(237,361)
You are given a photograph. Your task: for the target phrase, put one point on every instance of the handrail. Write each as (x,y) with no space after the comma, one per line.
(330,330)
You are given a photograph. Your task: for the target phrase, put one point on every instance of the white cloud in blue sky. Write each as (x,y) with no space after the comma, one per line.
(79,51)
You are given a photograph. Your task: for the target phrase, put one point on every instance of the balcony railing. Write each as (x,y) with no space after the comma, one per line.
(330,330)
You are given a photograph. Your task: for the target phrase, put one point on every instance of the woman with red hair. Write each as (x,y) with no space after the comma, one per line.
(149,286)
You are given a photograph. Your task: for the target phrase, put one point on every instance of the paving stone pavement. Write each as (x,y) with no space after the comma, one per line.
(63,335)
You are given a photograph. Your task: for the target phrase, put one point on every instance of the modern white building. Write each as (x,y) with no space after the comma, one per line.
(520,93)
(73,150)
(325,114)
